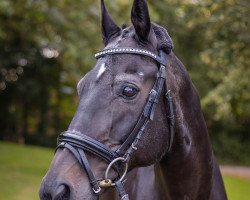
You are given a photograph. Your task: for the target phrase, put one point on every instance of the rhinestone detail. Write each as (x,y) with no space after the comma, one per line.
(129,51)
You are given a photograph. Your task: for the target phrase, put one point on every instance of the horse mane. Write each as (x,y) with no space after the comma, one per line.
(165,42)
(183,87)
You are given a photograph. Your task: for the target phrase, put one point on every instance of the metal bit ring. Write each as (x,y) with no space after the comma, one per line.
(110,165)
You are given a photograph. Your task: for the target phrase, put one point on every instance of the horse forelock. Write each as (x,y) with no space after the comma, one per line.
(164,41)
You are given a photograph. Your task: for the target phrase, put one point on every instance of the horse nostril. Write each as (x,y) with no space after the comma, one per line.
(62,193)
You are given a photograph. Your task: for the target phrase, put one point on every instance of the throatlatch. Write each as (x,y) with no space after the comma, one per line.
(77,143)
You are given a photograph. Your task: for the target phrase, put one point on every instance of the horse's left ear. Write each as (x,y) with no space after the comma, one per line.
(140,19)
(109,28)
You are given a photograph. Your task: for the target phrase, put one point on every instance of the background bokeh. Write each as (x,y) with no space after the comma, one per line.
(46,46)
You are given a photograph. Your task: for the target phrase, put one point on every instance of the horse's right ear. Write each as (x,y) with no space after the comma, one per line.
(140,19)
(109,28)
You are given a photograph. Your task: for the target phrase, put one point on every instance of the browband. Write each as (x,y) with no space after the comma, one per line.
(77,143)
(131,51)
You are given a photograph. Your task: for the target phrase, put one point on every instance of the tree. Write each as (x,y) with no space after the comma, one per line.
(47,46)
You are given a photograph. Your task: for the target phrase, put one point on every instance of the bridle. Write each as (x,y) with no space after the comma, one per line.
(77,143)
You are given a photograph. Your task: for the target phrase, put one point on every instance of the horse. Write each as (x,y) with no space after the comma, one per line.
(138,131)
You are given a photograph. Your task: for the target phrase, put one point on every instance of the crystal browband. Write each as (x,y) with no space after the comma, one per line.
(129,51)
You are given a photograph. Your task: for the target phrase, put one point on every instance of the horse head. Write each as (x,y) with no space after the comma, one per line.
(124,118)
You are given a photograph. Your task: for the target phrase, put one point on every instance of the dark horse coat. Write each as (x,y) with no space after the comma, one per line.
(188,171)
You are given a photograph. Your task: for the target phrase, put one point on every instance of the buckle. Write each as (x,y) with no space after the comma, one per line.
(97,191)
(151,100)
(105,183)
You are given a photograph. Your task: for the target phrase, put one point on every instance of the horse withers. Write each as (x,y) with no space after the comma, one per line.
(138,132)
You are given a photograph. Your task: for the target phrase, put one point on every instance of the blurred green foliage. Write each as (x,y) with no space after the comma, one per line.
(47,46)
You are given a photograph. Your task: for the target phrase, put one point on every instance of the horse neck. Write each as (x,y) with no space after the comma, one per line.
(190,158)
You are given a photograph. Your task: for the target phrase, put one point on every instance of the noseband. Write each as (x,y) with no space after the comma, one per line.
(77,143)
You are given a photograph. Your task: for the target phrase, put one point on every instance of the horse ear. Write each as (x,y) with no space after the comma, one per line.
(140,19)
(109,28)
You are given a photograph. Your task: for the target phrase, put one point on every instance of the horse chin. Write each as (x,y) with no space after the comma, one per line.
(85,196)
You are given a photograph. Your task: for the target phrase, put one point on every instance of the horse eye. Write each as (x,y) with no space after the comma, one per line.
(129,91)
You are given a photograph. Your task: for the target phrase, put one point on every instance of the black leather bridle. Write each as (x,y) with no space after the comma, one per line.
(77,143)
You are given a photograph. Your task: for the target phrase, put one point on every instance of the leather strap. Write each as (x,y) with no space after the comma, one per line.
(81,141)
(147,114)
(169,108)
(122,193)
(82,159)
(170,118)
(88,144)
(89,172)
(77,143)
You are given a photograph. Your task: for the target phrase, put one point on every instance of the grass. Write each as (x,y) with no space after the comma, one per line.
(237,188)
(22,169)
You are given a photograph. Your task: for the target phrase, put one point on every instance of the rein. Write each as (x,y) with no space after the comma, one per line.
(77,143)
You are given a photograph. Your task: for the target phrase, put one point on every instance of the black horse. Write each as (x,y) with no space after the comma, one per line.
(127,117)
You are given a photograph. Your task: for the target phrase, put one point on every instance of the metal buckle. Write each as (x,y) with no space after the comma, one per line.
(105,183)
(97,191)
(134,146)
